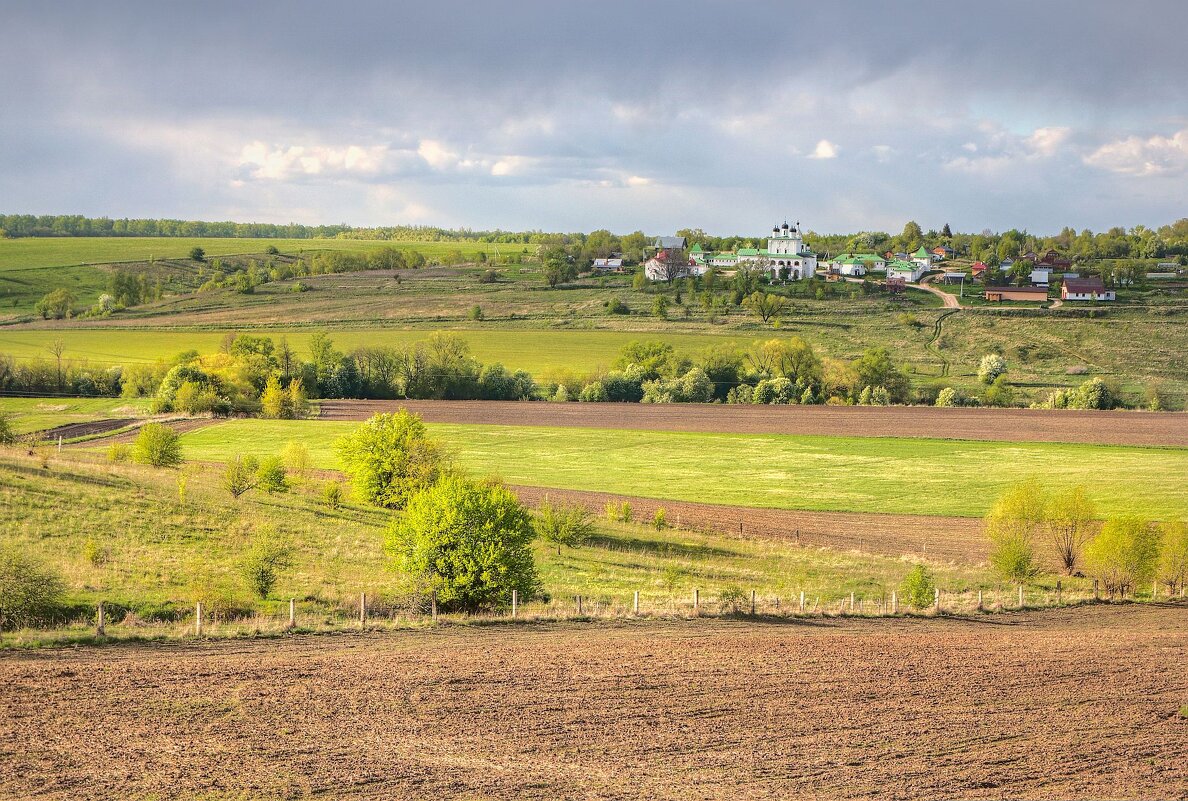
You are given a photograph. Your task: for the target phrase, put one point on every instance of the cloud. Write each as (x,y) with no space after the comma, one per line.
(1155,155)
(824,150)
(279,163)
(1046,141)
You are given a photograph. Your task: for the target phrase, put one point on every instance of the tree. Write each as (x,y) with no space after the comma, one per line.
(557,267)
(157,445)
(239,476)
(56,305)
(912,237)
(875,369)
(197,254)
(275,403)
(1070,524)
(991,367)
(1173,561)
(468,541)
(29,589)
(1124,555)
(918,588)
(298,400)
(765,305)
(1012,525)
(261,565)
(7,436)
(271,475)
(660,307)
(390,458)
(948,397)
(564,525)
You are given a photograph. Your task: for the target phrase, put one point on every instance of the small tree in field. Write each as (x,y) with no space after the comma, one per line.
(470,541)
(275,402)
(197,254)
(29,589)
(991,367)
(157,445)
(7,437)
(271,475)
(1173,560)
(764,305)
(660,519)
(1070,525)
(239,476)
(1011,526)
(564,525)
(270,555)
(1125,555)
(390,458)
(918,588)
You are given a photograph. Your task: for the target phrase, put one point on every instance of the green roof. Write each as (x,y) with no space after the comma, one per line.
(902,265)
(922,253)
(748,251)
(696,248)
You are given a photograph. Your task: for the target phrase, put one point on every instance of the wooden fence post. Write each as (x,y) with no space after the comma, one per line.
(198,619)
(798,537)
(1096,592)
(894,602)
(292,613)
(100,622)
(579,606)
(696,602)
(802,602)
(635,604)
(1059,592)
(936,601)
(979,600)
(515,599)
(851,603)
(1020,596)
(1155,590)
(362,609)
(59,443)
(433,605)
(752,603)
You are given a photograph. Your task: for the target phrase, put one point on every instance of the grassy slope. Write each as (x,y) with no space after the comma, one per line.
(159,548)
(898,476)
(35,414)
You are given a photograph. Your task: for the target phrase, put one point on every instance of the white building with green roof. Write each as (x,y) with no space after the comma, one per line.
(856,265)
(786,256)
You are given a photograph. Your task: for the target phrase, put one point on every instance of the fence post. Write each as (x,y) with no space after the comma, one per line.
(515,599)
(59,443)
(802,602)
(292,613)
(798,537)
(635,604)
(1155,590)
(579,605)
(1020,596)
(362,609)
(979,600)
(198,619)
(851,603)
(1059,592)
(752,603)
(1096,593)
(936,601)
(100,627)
(433,605)
(697,600)
(894,602)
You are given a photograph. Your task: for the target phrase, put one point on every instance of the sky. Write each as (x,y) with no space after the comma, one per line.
(561,116)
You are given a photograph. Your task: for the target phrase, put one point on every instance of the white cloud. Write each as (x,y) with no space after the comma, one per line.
(1046,141)
(824,150)
(264,161)
(638,180)
(1156,155)
(436,154)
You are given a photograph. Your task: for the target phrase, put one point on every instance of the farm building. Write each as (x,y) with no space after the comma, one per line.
(1037,294)
(1086,289)
(954,278)
(911,272)
(1041,276)
(608,265)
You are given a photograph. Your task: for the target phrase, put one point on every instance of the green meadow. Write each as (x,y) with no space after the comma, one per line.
(31,253)
(845,474)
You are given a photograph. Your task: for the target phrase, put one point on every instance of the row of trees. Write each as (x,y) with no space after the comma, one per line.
(1028,527)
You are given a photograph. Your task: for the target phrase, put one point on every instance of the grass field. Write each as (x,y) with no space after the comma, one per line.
(127,535)
(895,476)
(31,253)
(35,414)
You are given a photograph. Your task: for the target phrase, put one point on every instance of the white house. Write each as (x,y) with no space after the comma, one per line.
(1086,289)
(923,258)
(608,265)
(911,271)
(665,266)
(858,264)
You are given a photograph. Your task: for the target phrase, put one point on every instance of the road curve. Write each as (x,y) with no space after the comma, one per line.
(1005,425)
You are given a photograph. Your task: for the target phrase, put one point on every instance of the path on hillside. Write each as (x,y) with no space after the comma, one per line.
(1071,703)
(1008,425)
(950,300)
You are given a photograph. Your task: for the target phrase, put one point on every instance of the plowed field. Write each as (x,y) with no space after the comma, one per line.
(1006,425)
(957,539)
(1067,704)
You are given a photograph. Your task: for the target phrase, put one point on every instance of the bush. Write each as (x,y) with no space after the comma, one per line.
(594,392)
(564,525)
(239,476)
(157,445)
(918,588)
(1173,562)
(197,254)
(1011,526)
(56,305)
(660,519)
(271,475)
(332,495)
(732,596)
(30,591)
(476,313)
(296,459)
(489,277)
(616,306)
(619,512)
(991,367)
(7,437)
(1124,556)
(269,555)
(470,541)
(390,458)
(948,397)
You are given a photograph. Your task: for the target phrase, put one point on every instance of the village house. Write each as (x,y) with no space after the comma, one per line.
(669,266)
(911,272)
(1026,293)
(856,265)
(1090,288)
(923,258)
(978,269)
(608,265)
(942,252)
(1041,276)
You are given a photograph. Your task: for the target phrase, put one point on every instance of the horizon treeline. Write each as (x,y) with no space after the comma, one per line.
(1139,242)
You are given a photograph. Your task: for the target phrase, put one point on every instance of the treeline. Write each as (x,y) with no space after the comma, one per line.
(22,225)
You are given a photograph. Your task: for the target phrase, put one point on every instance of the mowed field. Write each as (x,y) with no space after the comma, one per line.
(824,473)
(1075,703)
(31,253)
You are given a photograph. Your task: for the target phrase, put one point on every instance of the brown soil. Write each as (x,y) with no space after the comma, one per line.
(91,428)
(1068,704)
(1010,425)
(957,539)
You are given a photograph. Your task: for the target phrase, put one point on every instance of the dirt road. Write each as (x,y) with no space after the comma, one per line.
(1008,425)
(1068,704)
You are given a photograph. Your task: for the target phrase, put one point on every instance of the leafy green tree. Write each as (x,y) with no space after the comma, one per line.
(660,307)
(1069,518)
(1173,560)
(564,525)
(275,402)
(7,436)
(390,458)
(29,589)
(298,400)
(1125,555)
(271,475)
(240,475)
(948,397)
(1012,526)
(557,267)
(918,588)
(56,305)
(876,369)
(471,542)
(270,555)
(765,305)
(197,254)
(157,445)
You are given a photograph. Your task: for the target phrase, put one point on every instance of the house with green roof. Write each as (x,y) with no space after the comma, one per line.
(910,271)
(923,258)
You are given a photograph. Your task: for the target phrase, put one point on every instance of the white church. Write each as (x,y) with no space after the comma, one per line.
(786,257)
